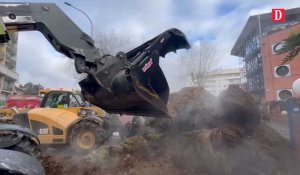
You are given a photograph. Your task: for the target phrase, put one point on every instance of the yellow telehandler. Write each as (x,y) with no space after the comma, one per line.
(63,117)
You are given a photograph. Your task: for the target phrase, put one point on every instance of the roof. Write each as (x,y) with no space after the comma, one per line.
(224,71)
(252,24)
(46,91)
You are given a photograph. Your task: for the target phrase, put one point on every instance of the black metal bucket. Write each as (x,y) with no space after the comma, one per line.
(133,83)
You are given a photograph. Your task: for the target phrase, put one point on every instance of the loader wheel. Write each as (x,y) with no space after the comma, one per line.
(27,146)
(86,136)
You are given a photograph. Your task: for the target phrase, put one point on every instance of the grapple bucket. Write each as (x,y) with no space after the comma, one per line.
(133,83)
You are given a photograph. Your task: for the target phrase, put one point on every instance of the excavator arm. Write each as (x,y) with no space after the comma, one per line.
(128,83)
(62,33)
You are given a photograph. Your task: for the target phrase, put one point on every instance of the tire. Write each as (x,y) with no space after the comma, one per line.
(86,136)
(27,146)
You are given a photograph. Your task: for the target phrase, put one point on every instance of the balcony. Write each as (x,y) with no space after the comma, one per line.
(9,73)
(2,51)
(10,55)
(8,91)
(2,55)
(11,47)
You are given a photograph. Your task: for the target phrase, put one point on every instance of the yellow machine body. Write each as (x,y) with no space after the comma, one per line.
(52,123)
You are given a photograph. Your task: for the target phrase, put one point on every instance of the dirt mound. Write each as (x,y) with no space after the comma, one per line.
(237,107)
(218,151)
(136,155)
(189,97)
(210,152)
(75,165)
(193,108)
(209,139)
(51,164)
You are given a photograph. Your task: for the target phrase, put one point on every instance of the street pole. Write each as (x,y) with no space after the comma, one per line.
(91,23)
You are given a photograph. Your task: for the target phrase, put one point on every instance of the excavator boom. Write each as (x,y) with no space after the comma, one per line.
(127,83)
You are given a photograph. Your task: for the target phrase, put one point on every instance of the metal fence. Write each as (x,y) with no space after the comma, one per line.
(284,118)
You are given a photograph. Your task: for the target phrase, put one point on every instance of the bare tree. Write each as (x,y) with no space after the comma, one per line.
(112,42)
(108,43)
(31,88)
(198,62)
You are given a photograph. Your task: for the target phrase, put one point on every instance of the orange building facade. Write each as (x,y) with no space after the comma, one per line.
(259,50)
(278,77)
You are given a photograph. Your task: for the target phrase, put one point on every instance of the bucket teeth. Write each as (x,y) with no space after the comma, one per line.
(136,86)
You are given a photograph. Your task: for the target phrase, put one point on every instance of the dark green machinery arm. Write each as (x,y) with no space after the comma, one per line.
(63,34)
(128,83)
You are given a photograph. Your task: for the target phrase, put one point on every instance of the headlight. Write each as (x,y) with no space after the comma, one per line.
(82,112)
(85,112)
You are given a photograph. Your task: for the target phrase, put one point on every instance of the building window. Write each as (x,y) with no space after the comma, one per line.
(277,48)
(8,85)
(285,94)
(282,71)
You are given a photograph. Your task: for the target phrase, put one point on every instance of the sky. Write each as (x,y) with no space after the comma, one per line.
(218,22)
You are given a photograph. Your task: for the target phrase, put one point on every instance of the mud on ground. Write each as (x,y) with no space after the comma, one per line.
(199,152)
(209,136)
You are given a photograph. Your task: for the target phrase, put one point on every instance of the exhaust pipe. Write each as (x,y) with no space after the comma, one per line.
(133,83)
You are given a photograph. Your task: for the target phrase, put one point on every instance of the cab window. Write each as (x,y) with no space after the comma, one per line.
(57,100)
(73,101)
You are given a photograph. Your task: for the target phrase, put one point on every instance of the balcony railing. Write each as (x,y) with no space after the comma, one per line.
(8,90)
(11,47)
(10,55)
(5,71)
(2,55)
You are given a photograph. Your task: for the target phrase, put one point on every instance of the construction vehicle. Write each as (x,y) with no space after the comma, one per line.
(63,117)
(55,98)
(129,83)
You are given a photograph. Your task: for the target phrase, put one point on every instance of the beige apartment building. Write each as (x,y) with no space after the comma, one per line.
(8,74)
(219,80)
